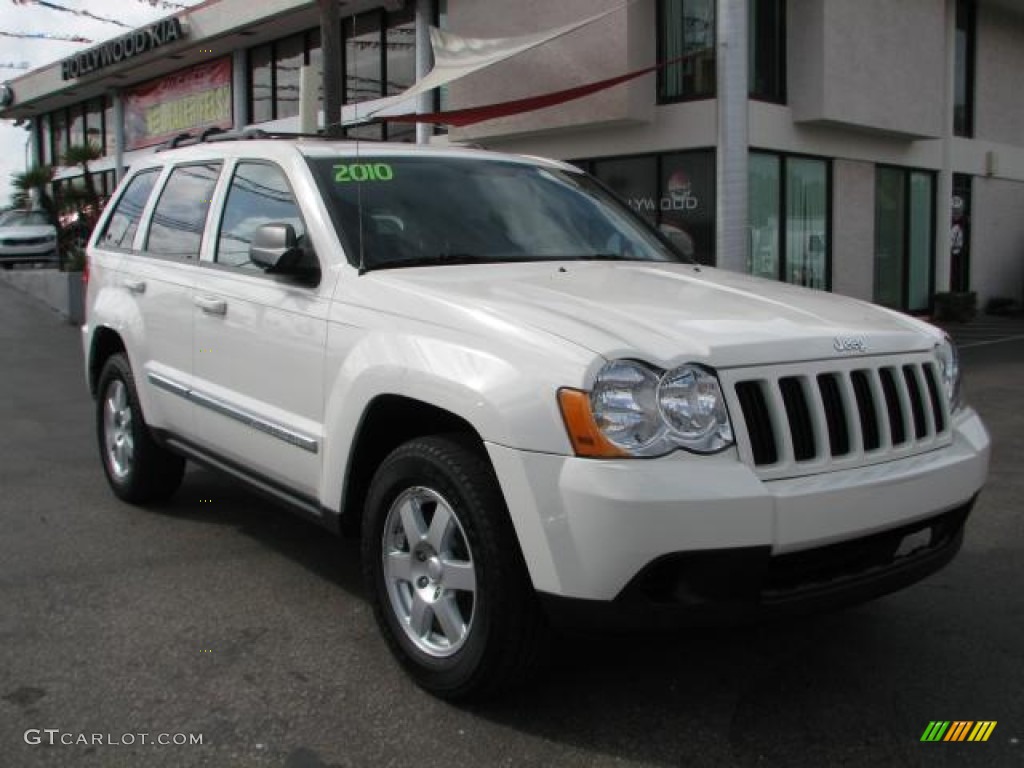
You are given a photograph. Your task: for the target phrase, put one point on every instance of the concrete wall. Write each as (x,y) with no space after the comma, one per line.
(853,228)
(999,99)
(874,64)
(997,239)
(60,291)
(619,43)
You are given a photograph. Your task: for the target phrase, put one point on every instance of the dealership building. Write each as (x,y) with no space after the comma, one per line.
(872,148)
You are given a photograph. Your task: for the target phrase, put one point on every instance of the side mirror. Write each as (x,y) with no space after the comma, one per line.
(273,247)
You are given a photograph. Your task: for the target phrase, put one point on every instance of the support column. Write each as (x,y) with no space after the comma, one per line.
(424,60)
(330,39)
(944,192)
(118,104)
(239,90)
(33,153)
(733,180)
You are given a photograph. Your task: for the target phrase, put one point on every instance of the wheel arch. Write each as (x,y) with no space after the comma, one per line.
(388,421)
(106,342)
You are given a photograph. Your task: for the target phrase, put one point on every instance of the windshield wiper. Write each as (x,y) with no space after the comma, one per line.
(439,259)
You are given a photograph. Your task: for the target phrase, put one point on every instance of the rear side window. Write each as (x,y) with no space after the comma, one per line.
(259,195)
(124,221)
(180,215)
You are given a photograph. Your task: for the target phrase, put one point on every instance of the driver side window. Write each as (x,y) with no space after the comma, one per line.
(259,194)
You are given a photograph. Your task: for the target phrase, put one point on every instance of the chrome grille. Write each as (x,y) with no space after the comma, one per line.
(802,419)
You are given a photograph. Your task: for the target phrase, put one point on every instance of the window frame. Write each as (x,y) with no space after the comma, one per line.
(154,202)
(222,196)
(661,53)
(111,210)
(782,97)
(782,192)
(969,8)
(905,237)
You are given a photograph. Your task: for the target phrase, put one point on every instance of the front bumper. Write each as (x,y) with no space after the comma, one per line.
(594,530)
(18,252)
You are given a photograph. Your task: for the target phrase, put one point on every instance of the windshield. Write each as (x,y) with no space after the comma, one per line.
(449,210)
(24,219)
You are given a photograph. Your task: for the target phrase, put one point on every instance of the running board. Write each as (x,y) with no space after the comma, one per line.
(305,507)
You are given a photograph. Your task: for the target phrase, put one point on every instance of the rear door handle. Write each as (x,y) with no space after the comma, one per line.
(211,305)
(135,286)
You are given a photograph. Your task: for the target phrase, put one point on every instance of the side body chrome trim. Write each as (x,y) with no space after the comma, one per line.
(240,415)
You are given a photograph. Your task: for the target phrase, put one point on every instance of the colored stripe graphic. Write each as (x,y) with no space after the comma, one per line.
(982,730)
(935,730)
(958,730)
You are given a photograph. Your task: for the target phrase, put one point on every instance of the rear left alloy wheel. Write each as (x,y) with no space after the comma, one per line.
(137,468)
(442,562)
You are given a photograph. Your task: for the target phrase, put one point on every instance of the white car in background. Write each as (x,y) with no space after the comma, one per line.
(27,237)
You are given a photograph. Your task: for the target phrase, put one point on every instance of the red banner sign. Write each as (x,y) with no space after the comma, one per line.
(186,101)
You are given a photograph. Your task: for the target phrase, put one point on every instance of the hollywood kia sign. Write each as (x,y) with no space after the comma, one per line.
(122,48)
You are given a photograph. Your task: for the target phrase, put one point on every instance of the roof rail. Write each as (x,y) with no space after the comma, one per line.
(213,133)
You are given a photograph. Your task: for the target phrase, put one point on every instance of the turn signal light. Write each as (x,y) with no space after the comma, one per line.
(584,434)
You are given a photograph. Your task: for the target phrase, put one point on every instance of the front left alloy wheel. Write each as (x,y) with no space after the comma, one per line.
(449,587)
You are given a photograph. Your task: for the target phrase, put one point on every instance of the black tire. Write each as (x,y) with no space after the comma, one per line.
(506,632)
(8,265)
(152,473)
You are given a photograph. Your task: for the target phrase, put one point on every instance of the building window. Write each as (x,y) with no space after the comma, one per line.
(789,219)
(380,60)
(904,238)
(289,57)
(675,192)
(94,123)
(261,83)
(315,59)
(109,129)
(966,40)
(960,235)
(634,180)
(686,31)
(59,123)
(76,123)
(767,55)
(45,141)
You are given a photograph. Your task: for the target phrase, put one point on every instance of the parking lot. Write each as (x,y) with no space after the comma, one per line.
(221,615)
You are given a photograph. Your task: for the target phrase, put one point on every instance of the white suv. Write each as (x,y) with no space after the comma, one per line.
(534,410)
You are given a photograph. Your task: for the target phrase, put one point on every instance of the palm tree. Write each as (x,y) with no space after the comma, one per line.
(35,180)
(82,155)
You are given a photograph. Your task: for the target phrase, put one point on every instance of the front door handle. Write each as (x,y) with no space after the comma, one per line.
(211,305)
(135,286)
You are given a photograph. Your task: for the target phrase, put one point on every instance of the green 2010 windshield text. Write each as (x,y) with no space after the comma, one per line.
(363,172)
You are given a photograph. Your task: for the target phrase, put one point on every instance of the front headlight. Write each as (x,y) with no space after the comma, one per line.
(624,402)
(692,405)
(949,368)
(635,410)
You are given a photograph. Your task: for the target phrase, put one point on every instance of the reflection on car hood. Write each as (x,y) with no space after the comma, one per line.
(37,230)
(666,313)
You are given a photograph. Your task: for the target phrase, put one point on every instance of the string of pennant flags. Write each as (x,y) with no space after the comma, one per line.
(75,11)
(46,36)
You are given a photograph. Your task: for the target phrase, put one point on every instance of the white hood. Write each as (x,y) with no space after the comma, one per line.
(663,313)
(27,232)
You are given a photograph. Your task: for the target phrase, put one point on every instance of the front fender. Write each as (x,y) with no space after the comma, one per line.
(507,399)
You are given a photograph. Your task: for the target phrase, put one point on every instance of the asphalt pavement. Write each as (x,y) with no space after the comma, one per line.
(221,616)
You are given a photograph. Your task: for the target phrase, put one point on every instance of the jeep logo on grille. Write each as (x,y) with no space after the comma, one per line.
(849,344)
